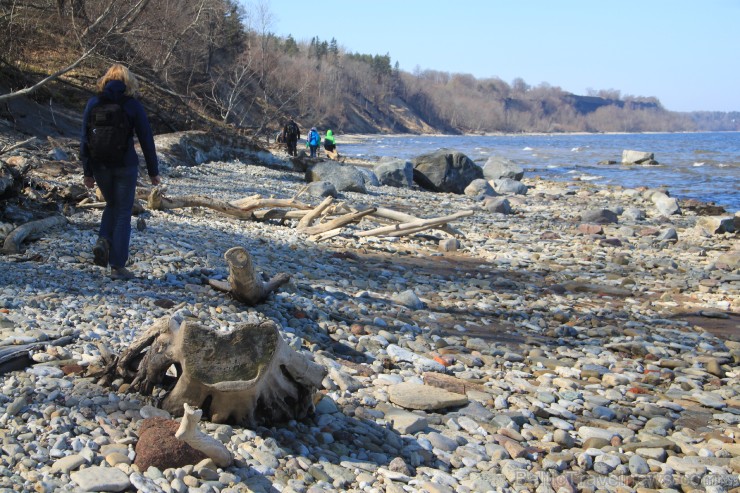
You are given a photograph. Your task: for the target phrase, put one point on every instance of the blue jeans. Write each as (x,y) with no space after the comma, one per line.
(118,186)
(313,150)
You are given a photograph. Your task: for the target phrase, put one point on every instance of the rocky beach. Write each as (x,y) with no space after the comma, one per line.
(575,338)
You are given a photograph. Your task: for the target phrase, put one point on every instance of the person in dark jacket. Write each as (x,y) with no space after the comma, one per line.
(291,134)
(117,181)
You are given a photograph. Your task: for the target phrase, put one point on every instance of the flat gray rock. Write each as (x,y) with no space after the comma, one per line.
(425,397)
(98,478)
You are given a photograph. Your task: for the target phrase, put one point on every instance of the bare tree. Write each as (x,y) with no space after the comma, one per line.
(230,89)
(112,18)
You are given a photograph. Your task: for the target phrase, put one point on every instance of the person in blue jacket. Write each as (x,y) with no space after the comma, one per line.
(313,139)
(117,182)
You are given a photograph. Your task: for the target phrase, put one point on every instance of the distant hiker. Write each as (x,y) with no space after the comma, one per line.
(330,145)
(291,134)
(108,158)
(313,140)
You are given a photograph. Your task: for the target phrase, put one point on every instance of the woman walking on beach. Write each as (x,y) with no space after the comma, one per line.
(108,158)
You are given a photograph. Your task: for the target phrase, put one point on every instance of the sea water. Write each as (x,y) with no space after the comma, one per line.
(702,166)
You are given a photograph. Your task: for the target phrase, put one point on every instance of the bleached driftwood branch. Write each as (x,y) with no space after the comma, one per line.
(338,222)
(17,145)
(309,218)
(190,433)
(415,226)
(402,217)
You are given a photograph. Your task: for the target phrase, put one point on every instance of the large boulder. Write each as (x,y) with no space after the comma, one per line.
(638,157)
(445,170)
(498,167)
(395,173)
(344,178)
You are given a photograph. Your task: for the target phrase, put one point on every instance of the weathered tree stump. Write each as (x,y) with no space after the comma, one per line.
(244,283)
(247,377)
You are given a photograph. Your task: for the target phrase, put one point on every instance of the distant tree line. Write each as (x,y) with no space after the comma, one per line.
(221,59)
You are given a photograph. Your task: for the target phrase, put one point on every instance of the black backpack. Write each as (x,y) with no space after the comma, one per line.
(292,130)
(108,132)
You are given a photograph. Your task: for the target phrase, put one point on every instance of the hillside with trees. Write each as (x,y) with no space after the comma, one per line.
(207,63)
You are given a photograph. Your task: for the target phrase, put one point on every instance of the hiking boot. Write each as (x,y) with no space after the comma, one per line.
(101,251)
(121,273)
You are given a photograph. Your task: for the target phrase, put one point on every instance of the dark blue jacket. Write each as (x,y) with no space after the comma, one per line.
(114,91)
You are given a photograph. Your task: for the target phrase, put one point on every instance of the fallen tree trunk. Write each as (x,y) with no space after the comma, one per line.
(242,208)
(249,376)
(244,283)
(157,201)
(16,237)
(251,204)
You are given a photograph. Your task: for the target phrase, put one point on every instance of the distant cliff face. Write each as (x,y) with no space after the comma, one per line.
(589,104)
(396,117)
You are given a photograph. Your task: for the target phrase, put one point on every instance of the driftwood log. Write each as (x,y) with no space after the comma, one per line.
(248,376)
(16,237)
(241,208)
(320,222)
(17,357)
(244,283)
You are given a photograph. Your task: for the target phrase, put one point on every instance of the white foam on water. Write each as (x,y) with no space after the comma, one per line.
(527,149)
(696,165)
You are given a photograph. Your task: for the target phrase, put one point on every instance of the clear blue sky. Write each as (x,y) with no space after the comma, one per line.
(684,52)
